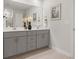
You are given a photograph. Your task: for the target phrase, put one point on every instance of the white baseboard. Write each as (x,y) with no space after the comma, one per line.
(62,51)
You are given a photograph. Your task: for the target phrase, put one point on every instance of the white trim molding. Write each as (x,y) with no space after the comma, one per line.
(62,52)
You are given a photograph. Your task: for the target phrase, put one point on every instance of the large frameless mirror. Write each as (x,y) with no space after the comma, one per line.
(15,14)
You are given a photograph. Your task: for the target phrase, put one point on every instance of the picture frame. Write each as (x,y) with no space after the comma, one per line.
(34,16)
(56,12)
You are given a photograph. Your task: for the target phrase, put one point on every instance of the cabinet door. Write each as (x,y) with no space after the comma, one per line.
(9,47)
(31,42)
(21,44)
(42,40)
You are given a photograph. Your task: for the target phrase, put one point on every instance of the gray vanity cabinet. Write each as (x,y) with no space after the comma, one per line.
(14,43)
(9,47)
(22,41)
(32,40)
(31,43)
(21,44)
(42,38)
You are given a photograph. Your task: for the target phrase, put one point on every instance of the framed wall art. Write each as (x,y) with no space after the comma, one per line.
(56,12)
(34,16)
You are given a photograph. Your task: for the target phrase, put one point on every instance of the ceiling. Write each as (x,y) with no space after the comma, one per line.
(13,4)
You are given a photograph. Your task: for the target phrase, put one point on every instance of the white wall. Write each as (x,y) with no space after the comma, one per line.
(62,30)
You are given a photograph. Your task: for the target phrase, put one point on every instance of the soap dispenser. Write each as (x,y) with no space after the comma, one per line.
(29,25)
(25,25)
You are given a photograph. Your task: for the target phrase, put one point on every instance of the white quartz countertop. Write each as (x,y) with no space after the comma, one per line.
(22,29)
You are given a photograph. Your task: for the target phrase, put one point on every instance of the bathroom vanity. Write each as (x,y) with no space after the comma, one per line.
(17,42)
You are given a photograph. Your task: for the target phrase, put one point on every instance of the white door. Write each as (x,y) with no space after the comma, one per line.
(9,47)
(21,45)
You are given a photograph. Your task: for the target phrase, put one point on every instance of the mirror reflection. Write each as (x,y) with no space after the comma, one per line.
(19,15)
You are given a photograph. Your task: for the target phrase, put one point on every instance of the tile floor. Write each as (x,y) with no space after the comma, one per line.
(45,53)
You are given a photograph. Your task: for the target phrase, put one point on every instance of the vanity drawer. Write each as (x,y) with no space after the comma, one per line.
(42,31)
(14,34)
(8,34)
(32,33)
(20,33)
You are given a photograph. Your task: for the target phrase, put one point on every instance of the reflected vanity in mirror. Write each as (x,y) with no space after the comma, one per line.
(16,14)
